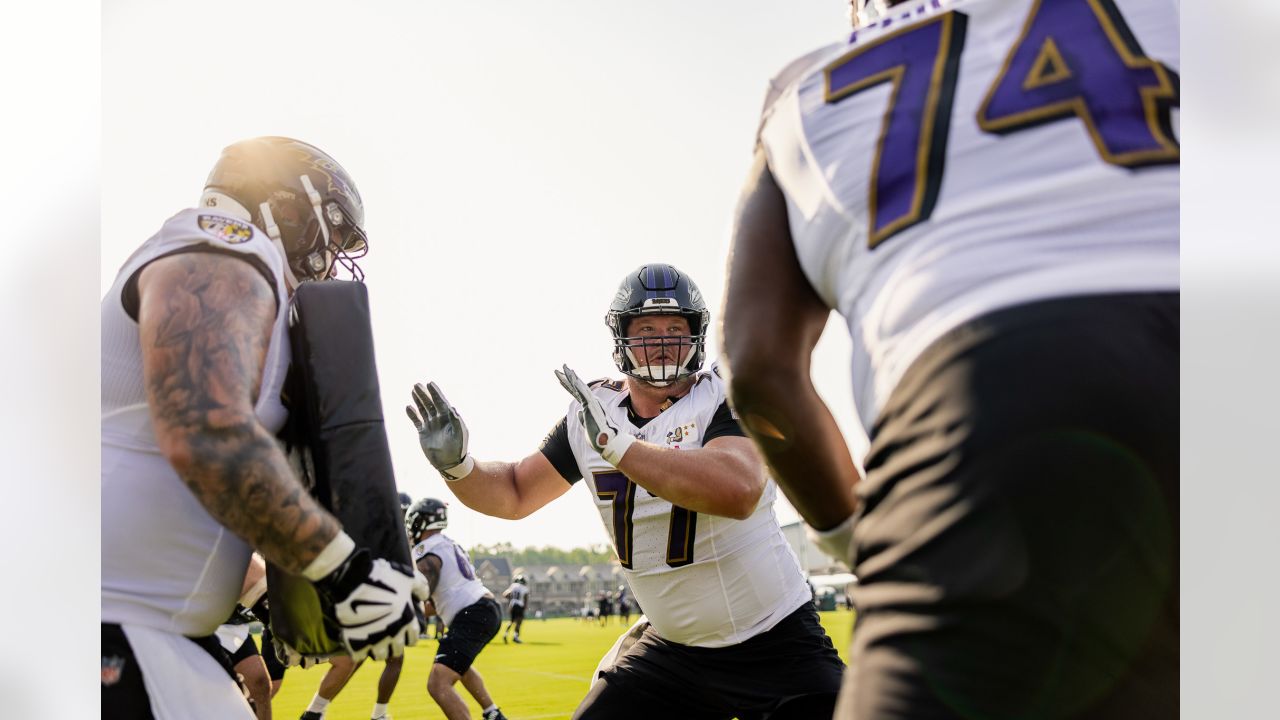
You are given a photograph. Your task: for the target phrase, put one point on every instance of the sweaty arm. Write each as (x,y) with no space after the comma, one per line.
(510,490)
(724,477)
(772,321)
(205,322)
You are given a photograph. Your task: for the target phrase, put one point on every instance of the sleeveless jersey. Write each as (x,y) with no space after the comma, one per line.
(166,563)
(458,585)
(962,156)
(702,580)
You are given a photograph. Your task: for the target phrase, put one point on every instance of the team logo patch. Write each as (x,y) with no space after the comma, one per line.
(112,669)
(226,229)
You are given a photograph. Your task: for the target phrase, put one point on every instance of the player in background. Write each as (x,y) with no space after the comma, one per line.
(471,613)
(517,602)
(684,496)
(194,352)
(987,193)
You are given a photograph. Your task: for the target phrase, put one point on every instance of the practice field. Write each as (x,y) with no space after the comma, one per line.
(544,678)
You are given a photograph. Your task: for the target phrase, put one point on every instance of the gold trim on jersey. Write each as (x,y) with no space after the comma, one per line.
(1048,68)
(924,147)
(1152,96)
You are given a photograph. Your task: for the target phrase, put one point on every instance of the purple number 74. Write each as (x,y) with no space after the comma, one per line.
(1074,59)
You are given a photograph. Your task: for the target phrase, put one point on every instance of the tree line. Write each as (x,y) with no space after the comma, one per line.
(546,555)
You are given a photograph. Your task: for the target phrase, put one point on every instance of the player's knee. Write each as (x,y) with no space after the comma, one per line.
(440,683)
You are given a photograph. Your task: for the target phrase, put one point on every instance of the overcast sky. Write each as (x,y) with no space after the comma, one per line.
(516,160)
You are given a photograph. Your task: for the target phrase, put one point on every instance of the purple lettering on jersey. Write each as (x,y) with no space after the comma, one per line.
(464,563)
(684,526)
(1079,59)
(920,63)
(621,493)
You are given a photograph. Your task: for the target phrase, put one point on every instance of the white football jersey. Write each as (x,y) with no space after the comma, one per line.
(166,563)
(517,595)
(962,156)
(701,579)
(458,585)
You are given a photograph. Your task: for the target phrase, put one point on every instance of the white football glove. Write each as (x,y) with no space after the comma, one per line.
(369,599)
(602,435)
(836,542)
(441,432)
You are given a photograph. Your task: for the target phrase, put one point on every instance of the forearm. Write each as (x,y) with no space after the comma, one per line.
(704,480)
(490,489)
(243,479)
(801,442)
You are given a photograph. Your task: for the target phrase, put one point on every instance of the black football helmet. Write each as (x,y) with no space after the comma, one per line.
(300,197)
(658,289)
(426,514)
(405,502)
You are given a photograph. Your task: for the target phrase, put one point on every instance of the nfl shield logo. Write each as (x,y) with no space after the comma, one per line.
(112,669)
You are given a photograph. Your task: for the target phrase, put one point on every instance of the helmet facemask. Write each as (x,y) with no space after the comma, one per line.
(318,243)
(658,360)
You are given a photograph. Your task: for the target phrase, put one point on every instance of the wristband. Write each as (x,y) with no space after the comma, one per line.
(459,471)
(617,447)
(330,558)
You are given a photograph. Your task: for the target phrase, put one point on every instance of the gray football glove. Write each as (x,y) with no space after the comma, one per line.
(602,435)
(441,432)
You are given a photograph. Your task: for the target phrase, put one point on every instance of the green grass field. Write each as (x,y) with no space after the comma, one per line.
(544,678)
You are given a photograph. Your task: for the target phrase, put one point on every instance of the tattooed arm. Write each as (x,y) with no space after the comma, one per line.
(205,321)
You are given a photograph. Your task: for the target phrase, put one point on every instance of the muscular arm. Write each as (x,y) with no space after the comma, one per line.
(510,490)
(205,321)
(723,478)
(772,322)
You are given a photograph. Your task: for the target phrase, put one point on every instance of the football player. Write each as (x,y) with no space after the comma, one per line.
(684,496)
(194,352)
(467,607)
(987,192)
(517,600)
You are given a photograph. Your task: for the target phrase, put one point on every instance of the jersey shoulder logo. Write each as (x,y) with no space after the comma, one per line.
(228,230)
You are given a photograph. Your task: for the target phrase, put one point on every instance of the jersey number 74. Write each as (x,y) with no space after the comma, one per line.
(1074,59)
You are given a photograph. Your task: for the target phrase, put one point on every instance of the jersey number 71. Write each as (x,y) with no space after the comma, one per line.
(621,493)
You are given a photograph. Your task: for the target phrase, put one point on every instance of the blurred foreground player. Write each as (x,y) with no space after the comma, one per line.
(194,352)
(685,498)
(987,192)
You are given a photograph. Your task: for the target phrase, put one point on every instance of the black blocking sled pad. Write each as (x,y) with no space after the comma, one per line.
(338,442)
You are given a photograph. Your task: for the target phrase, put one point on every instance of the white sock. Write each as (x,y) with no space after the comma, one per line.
(490,709)
(318,704)
(379,710)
